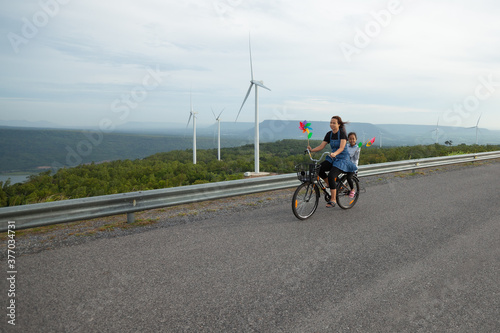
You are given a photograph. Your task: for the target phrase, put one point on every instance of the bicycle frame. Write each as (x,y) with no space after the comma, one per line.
(317,161)
(306,197)
(318,178)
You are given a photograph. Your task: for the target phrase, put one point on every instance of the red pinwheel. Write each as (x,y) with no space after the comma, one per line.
(306,127)
(369,143)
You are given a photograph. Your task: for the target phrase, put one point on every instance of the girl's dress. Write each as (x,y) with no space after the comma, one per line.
(354,152)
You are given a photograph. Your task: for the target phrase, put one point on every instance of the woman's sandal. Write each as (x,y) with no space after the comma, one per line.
(330,204)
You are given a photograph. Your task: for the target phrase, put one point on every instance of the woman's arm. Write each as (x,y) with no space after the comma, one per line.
(318,148)
(341,148)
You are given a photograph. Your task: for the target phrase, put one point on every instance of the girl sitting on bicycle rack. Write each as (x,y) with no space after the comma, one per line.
(338,161)
(354,151)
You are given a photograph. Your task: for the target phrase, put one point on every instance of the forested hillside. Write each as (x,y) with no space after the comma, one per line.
(175,168)
(28,149)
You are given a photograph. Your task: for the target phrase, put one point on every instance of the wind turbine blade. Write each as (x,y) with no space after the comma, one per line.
(190,114)
(260,84)
(220,113)
(213,113)
(478,119)
(250,48)
(248,93)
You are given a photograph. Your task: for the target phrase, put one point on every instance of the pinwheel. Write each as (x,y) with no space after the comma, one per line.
(369,143)
(306,127)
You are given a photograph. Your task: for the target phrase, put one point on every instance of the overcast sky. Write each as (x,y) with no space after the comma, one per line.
(93,62)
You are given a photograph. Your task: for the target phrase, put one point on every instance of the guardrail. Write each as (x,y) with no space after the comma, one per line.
(34,215)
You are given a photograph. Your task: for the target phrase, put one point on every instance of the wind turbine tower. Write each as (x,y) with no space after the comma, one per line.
(218,131)
(437,131)
(476,127)
(256,84)
(193,114)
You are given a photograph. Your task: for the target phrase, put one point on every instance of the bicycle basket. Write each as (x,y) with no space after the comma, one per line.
(307,172)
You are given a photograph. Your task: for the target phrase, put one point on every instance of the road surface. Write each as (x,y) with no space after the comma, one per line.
(416,254)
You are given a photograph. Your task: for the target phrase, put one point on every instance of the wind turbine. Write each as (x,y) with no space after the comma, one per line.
(256,84)
(218,130)
(437,130)
(193,114)
(476,127)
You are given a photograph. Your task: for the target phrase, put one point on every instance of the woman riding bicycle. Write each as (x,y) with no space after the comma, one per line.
(338,161)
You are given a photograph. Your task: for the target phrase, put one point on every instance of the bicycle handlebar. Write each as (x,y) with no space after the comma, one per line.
(314,160)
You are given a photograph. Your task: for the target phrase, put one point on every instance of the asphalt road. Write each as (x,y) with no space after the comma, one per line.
(419,254)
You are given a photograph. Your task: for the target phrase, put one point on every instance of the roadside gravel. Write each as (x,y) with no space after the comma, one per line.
(35,240)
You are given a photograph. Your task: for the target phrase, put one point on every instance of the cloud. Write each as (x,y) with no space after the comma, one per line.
(414,64)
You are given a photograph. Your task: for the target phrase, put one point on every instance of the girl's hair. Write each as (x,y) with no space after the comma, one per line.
(341,123)
(352,133)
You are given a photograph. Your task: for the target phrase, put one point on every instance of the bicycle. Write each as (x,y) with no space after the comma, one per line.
(306,197)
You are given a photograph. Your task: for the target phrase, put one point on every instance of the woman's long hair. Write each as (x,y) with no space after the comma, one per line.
(341,124)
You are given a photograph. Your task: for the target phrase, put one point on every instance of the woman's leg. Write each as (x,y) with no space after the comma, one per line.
(332,177)
(325,166)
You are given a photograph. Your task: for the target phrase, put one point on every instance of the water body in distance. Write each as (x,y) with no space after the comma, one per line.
(13,178)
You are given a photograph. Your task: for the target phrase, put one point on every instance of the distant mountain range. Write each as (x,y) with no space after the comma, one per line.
(387,134)
(25,123)
(273,130)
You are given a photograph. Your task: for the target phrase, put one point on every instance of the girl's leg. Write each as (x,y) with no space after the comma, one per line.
(351,184)
(349,179)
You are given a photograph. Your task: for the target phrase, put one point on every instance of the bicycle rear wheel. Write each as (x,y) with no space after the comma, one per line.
(305,200)
(343,189)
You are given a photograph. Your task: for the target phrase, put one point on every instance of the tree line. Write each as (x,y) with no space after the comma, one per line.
(176,168)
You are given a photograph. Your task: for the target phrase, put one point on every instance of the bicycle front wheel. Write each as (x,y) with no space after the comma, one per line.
(305,200)
(343,190)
